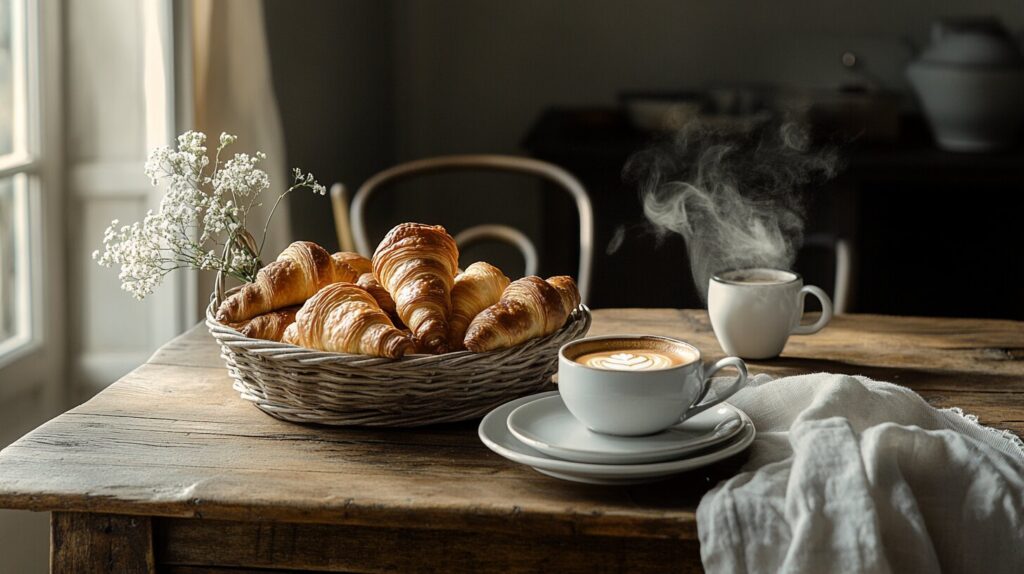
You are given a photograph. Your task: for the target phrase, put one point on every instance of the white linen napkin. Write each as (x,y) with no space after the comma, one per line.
(853,475)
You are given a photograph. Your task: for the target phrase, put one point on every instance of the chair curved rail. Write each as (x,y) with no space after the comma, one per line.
(541,169)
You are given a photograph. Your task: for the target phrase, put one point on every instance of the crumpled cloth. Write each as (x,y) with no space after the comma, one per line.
(848,474)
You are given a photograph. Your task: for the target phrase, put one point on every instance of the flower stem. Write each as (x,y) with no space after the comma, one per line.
(266,226)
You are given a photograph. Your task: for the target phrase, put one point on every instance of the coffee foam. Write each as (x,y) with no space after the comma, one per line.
(757,276)
(623,360)
(631,354)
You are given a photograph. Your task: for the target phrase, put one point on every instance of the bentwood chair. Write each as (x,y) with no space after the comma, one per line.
(842,252)
(352,229)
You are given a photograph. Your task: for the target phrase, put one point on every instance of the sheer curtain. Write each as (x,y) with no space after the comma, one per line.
(234,93)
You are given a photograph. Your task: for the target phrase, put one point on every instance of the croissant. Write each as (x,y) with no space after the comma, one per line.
(344,318)
(475,289)
(530,307)
(416,263)
(368,282)
(356,263)
(269,326)
(569,293)
(299,272)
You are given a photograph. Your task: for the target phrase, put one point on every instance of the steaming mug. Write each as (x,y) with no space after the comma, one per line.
(754,311)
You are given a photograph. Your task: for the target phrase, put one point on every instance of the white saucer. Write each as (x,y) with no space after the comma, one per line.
(494,433)
(547,425)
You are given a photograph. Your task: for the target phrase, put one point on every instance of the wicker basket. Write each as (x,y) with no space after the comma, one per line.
(306,386)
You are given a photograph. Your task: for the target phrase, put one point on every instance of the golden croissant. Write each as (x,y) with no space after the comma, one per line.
(530,307)
(269,326)
(416,263)
(344,318)
(301,270)
(356,263)
(368,282)
(475,289)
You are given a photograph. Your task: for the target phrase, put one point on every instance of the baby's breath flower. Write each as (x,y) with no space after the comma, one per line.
(307,180)
(241,176)
(199,215)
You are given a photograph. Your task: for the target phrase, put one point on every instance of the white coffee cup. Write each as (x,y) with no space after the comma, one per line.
(754,311)
(621,399)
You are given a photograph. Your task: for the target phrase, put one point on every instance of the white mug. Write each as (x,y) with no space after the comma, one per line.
(639,402)
(754,311)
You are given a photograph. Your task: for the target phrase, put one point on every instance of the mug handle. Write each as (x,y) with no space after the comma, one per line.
(741,379)
(826,311)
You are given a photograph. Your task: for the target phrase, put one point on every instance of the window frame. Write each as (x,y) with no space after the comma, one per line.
(27,160)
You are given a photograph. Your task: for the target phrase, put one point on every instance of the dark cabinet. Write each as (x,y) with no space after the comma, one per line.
(932,232)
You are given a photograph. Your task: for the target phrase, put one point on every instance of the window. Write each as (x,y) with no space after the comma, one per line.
(10,215)
(18,175)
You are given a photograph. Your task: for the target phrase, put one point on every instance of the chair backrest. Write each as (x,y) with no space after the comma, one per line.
(843,253)
(505,234)
(541,169)
(342,221)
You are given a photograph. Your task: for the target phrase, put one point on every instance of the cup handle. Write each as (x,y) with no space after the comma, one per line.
(741,379)
(826,311)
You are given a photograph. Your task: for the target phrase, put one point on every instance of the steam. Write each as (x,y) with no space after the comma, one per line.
(734,195)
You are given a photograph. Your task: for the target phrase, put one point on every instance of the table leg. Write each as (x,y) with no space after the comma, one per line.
(84,542)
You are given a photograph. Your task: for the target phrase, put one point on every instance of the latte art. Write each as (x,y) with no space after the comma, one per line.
(629,360)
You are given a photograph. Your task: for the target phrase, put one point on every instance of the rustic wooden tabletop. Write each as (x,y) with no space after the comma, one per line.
(168,469)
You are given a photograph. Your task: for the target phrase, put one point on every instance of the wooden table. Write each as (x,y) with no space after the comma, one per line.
(168,470)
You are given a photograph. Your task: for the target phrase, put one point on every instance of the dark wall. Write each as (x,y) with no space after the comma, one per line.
(364,84)
(331,64)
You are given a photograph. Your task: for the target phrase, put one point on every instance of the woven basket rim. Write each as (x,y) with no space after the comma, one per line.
(275,349)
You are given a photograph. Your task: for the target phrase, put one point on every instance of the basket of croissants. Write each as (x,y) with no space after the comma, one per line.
(404,339)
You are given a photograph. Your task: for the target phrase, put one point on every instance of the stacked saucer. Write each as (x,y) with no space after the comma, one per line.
(539,431)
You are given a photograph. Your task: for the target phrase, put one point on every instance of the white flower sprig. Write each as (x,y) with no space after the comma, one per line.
(201,223)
